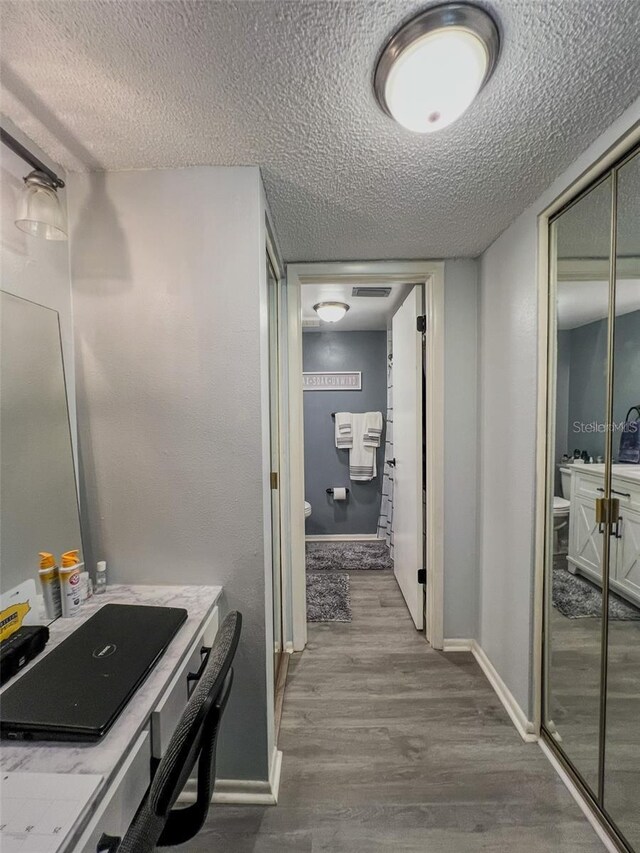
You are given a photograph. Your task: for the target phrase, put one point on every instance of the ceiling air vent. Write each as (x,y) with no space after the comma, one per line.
(371,291)
(310,324)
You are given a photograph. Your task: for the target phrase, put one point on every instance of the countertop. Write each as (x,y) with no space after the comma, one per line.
(105,757)
(620,471)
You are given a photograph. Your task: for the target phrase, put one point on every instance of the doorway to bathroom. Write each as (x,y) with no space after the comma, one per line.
(365,388)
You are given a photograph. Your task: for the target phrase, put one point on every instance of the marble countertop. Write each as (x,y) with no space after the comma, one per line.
(105,757)
(619,471)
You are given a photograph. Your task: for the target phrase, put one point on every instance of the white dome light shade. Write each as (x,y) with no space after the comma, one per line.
(39,211)
(436,80)
(433,68)
(331,312)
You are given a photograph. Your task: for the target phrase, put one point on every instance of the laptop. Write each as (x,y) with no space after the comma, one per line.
(78,690)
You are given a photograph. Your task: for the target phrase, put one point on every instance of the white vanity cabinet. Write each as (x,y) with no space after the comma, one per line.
(585,539)
(627,565)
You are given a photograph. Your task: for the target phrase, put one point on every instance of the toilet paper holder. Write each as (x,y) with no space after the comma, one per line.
(330,491)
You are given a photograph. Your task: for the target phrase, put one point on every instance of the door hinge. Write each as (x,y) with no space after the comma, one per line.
(422,323)
(422,575)
(274,479)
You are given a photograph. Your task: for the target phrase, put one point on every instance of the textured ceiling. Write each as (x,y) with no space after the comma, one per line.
(287,86)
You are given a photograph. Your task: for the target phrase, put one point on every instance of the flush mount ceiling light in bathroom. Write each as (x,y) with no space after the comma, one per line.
(331,312)
(432,69)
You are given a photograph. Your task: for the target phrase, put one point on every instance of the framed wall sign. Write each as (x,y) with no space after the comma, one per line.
(342,380)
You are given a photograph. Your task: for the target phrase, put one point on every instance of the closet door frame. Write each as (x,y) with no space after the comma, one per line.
(611,161)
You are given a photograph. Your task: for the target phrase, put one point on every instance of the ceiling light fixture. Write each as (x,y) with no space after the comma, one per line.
(331,312)
(432,69)
(39,211)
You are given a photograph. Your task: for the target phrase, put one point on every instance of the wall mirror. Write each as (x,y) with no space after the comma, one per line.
(38,496)
(591,647)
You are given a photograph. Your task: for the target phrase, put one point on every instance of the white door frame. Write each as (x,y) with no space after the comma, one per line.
(431,274)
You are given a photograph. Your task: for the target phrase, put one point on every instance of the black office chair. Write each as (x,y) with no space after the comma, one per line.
(157,823)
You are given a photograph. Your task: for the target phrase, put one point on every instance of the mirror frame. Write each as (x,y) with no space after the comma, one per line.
(612,159)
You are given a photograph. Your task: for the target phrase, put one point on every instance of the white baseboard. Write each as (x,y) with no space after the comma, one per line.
(345,537)
(457,645)
(525,727)
(245,792)
(580,800)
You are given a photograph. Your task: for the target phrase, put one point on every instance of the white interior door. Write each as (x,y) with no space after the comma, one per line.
(407,450)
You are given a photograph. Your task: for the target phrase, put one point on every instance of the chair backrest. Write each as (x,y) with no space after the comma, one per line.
(157,823)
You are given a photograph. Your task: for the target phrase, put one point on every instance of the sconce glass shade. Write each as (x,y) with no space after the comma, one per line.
(331,312)
(39,211)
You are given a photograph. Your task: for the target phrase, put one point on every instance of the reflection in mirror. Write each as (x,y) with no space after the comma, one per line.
(38,498)
(622,745)
(580,240)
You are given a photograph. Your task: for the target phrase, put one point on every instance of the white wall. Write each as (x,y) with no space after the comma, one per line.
(507,443)
(33,268)
(460,450)
(169,288)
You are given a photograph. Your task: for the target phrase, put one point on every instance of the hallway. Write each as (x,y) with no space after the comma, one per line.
(390,746)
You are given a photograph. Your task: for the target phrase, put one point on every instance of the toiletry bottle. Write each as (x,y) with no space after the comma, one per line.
(86,587)
(50,582)
(101,577)
(70,583)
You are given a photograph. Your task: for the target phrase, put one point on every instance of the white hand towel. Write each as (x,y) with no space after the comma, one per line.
(344,430)
(362,457)
(372,428)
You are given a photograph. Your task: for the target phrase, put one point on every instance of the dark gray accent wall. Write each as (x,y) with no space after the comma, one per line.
(585,351)
(324,464)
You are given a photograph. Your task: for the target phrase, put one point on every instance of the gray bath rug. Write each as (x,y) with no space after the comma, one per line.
(576,597)
(328,598)
(348,556)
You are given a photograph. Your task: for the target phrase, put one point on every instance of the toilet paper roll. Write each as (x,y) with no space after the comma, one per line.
(339,493)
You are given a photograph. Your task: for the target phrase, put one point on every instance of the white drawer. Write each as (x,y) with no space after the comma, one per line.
(588,486)
(172,702)
(120,802)
(627,493)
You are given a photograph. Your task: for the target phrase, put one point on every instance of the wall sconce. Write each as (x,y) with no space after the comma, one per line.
(39,211)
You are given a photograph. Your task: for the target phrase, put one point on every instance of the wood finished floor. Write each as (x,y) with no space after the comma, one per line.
(391,746)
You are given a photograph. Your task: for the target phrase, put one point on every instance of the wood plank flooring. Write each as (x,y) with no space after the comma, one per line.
(390,746)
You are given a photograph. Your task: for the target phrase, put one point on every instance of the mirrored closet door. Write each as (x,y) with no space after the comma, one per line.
(591,679)
(622,729)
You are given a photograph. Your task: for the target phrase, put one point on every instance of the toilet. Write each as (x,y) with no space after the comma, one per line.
(561,507)
(307,509)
